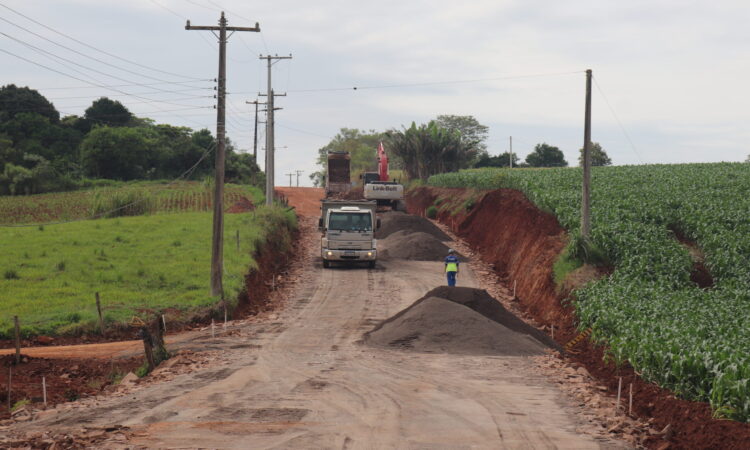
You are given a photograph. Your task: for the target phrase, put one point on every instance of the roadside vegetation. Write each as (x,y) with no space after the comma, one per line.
(690,338)
(139,265)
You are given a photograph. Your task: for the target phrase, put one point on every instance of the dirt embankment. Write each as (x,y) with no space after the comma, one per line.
(522,243)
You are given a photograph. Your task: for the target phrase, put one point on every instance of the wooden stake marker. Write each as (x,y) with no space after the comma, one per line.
(619,391)
(101,318)
(44,390)
(17,341)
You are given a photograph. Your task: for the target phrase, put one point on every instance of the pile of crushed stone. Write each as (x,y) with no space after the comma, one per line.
(416,246)
(459,320)
(395,221)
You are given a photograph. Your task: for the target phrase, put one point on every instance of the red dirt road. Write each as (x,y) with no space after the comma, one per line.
(306,200)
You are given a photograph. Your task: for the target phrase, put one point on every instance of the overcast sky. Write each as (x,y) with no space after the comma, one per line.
(674,72)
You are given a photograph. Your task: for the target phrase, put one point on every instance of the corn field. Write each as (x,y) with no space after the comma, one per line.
(692,340)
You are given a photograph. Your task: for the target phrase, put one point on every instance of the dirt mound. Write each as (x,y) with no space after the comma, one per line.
(242,205)
(415,246)
(464,323)
(395,221)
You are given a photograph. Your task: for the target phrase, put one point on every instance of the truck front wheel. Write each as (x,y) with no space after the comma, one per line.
(371,264)
(326,264)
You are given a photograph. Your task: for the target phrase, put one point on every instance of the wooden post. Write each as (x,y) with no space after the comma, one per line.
(586,195)
(10,378)
(619,391)
(148,348)
(630,403)
(17,340)
(238,240)
(101,318)
(44,390)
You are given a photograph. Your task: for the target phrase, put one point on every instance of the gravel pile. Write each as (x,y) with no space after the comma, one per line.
(416,246)
(459,320)
(395,221)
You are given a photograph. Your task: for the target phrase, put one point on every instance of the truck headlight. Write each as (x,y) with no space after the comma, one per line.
(330,253)
(369,253)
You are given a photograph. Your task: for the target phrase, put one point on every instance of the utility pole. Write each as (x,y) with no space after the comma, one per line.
(511,152)
(255,133)
(586,200)
(299,172)
(217,243)
(270,129)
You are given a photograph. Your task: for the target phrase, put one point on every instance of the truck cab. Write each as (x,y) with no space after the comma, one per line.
(348,229)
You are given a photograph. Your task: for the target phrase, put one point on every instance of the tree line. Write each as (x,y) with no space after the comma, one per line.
(42,152)
(446,144)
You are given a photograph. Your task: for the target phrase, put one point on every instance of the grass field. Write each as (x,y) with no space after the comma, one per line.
(162,197)
(690,339)
(48,275)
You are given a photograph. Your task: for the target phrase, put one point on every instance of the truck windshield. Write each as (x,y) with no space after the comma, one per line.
(346,221)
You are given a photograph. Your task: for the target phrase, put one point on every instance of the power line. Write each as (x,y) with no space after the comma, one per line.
(428,83)
(614,114)
(85,55)
(52,55)
(97,49)
(105,213)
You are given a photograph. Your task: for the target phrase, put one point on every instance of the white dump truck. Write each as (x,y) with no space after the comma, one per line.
(348,228)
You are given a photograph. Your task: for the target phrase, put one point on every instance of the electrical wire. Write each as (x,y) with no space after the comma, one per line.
(85,55)
(617,119)
(105,213)
(99,50)
(52,55)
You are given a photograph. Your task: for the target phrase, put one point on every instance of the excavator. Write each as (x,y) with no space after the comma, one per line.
(378,187)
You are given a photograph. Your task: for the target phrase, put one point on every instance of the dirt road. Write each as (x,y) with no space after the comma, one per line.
(303,380)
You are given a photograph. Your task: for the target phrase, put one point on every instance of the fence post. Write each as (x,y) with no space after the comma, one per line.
(101,318)
(17,340)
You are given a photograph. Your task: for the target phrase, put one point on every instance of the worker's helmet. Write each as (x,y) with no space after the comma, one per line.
(451,251)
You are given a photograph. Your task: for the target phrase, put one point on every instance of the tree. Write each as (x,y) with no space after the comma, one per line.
(472,132)
(118,153)
(598,156)
(545,155)
(15,100)
(430,149)
(107,112)
(502,160)
(362,147)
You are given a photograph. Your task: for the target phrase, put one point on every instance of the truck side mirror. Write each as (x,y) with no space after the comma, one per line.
(377,223)
(320,223)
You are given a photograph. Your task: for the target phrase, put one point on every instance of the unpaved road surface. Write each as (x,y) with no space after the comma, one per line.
(303,380)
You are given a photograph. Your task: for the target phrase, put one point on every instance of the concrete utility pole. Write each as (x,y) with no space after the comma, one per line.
(586,200)
(255,132)
(299,172)
(217,243)
(511,152)
(290,175)
(270,129)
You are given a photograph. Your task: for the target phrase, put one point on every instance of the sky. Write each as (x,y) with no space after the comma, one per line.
(670,76)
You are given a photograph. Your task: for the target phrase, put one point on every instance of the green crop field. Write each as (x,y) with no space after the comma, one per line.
(692,340)
(48,275)
(159,197)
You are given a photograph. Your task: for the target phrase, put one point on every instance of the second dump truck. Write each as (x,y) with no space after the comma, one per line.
(348,229)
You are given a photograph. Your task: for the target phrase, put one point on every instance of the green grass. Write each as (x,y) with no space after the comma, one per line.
(648,312)
(133,262)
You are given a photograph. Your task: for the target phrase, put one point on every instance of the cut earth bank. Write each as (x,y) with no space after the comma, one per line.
(522,243)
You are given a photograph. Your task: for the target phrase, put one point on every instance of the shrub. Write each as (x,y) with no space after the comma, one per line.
(11,274)
(432,212)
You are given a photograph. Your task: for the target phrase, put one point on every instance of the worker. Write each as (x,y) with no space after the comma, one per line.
(451,267)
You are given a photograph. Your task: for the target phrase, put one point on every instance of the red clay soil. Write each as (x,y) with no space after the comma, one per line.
(66,380)
(241,205)
(522,243)
(306,200)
